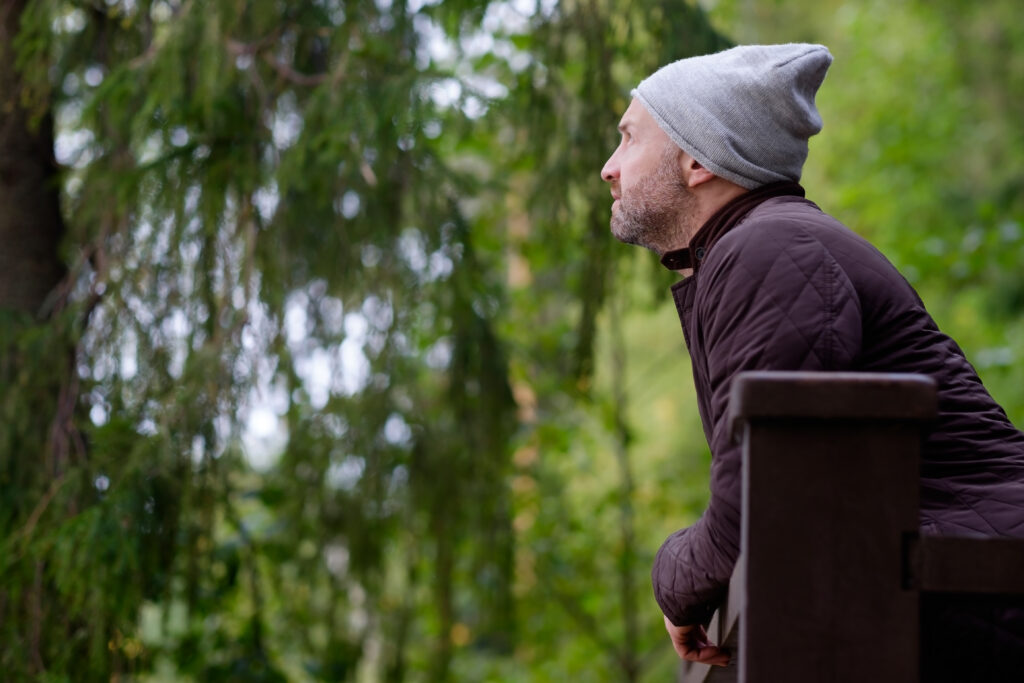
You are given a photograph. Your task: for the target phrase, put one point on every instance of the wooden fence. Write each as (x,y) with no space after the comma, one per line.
(832,567)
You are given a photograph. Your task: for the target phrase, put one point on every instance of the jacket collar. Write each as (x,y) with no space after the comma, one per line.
(724,220)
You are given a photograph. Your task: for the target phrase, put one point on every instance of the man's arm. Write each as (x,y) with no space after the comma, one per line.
(768,298)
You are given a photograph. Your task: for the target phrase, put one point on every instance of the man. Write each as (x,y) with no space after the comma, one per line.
(706,175)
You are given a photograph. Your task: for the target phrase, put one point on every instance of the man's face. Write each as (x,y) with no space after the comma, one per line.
(652,202)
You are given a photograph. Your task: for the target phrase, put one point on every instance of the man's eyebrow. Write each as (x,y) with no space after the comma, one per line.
(624,126)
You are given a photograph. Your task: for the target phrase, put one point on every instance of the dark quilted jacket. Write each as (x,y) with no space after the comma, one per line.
(786,287)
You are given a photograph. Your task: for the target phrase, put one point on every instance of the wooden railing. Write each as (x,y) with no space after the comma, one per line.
(832,567)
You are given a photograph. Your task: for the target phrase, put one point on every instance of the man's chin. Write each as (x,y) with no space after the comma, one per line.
(620,235)
(628,235)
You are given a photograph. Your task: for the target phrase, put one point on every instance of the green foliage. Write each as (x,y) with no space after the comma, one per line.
(311,210)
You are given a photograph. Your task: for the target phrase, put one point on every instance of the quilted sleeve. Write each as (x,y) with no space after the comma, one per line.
(766,300)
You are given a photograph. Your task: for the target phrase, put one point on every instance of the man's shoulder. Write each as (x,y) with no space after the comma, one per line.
(788,243)
(787,226)
(786,215)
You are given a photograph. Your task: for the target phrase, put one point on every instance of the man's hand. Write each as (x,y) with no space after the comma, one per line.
(691,643)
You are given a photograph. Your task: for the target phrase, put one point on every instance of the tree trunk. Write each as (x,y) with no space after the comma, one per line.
(33,379)
(444,568)
(30,222)
(629,660)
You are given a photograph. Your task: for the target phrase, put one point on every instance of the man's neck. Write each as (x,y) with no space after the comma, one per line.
(710,197)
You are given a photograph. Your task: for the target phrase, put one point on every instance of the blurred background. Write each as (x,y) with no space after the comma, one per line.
(318,361)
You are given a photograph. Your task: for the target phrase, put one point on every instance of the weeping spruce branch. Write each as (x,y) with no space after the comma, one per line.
(273,207)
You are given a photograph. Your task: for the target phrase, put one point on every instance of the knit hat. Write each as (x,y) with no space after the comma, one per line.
(745,113)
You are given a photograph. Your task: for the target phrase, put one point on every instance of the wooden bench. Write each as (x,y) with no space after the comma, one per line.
(832,566)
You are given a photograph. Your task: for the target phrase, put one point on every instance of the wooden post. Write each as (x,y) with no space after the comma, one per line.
(831,564)
(830,512)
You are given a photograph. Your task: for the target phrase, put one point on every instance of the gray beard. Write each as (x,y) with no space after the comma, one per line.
(658,211)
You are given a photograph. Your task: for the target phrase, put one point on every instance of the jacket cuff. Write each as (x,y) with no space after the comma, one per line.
(689,615)
(672,603)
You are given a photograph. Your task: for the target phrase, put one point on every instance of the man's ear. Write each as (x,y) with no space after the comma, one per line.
(693,172)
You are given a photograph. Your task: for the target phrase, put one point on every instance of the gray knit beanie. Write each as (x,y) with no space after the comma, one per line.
(746,113)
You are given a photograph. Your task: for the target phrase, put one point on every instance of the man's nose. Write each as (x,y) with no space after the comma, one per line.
(610,172)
